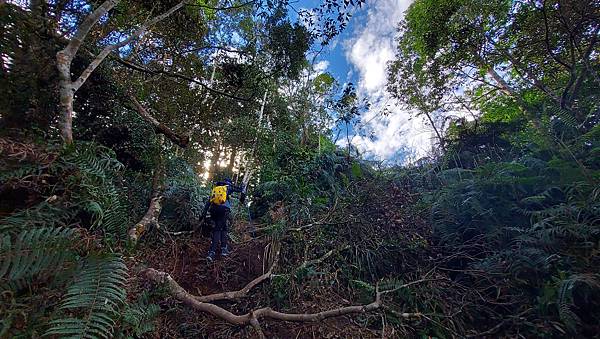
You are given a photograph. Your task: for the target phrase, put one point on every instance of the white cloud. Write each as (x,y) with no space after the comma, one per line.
(320,67)
(399,135)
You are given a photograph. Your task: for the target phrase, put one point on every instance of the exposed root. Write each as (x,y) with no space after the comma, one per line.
(239,294)
(252,318)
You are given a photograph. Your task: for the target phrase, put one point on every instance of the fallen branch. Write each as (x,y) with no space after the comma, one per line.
(252,318)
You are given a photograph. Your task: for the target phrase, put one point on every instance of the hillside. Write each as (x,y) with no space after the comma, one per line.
(188,170)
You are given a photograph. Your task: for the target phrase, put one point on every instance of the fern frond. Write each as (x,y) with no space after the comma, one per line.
(95,160)
(33,251)
(96,295)
(138,317)
(565,297)
(41,215)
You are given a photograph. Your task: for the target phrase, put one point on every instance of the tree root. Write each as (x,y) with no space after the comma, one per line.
(239,294)
(252,318)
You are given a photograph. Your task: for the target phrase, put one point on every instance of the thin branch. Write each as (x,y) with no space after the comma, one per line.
(221,48)
(547,40)
(87,25)
(223,8)
(239,294)
(319,260)
(585,70)
(140,68)
(108,49)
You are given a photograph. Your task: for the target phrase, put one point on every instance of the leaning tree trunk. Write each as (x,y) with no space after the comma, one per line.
(150,219)
(159,127)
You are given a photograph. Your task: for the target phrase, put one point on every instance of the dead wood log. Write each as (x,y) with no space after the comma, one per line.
(159,127)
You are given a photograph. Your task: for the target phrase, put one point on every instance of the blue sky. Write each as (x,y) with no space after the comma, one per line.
(359,55)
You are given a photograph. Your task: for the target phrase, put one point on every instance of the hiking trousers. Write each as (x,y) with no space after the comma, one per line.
(220,216)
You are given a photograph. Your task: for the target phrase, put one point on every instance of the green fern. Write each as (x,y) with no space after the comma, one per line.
(138,318)
(33,251)
(96,191)
(565,297)
(40,215)
(95,296)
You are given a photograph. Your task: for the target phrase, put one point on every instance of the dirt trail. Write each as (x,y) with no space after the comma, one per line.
(183,257)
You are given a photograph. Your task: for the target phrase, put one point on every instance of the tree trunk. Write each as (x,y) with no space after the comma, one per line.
(159,127)
(150,219)
(66,98)
(65,57)
(214,162)
(435,129)
(231,162)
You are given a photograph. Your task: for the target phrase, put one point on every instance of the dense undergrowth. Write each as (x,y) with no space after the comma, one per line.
(505,248)
(495,234)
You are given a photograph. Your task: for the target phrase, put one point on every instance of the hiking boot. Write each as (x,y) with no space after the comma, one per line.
(210,257)
(224,252)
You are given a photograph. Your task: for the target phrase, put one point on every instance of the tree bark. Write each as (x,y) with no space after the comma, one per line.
(231,162)
(159,127)
(150,219)
(64,59)
(214,160)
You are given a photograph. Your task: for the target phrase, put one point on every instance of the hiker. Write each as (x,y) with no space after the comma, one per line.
(220,209)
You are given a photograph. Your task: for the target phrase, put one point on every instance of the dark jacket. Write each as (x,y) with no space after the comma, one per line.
(230,189)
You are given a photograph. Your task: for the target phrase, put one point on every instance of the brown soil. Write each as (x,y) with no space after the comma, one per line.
(183,257)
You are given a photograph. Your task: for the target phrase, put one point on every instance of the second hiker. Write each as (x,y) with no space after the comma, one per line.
(220,210)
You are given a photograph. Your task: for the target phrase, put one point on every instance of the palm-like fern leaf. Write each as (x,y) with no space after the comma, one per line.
(95,297)
(33,251)
(565,297)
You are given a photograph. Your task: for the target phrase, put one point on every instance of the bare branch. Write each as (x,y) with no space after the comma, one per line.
(239,294)
(86,25)
(140,68)
(181,141)
(108,49)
